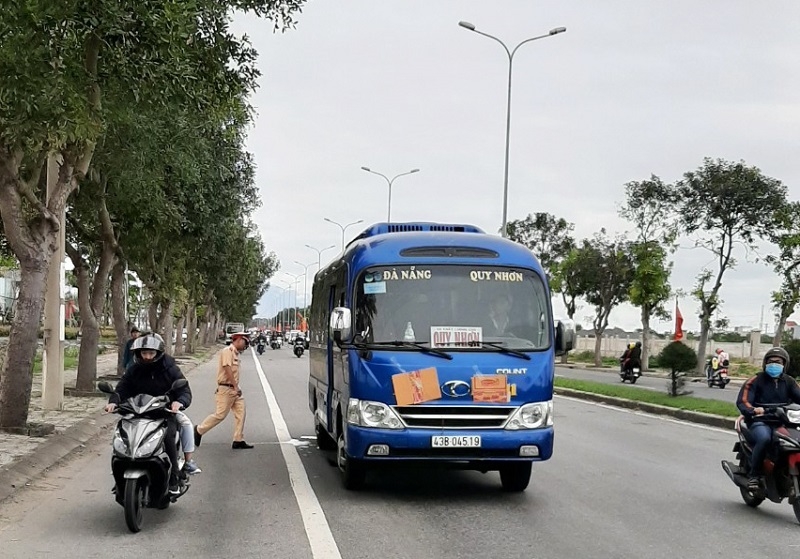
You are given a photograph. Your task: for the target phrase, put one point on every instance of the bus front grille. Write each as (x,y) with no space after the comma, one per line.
(455,417)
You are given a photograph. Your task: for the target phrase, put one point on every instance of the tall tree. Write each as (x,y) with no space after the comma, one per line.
(649,206)
(547,236)
(725,203)
(605,273)
(59,62)
(787,265)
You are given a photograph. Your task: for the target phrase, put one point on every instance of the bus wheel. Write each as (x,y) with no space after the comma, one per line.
(324,440)
(353,471)
(516,476)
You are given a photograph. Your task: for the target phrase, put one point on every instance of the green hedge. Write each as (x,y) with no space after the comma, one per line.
(69,333)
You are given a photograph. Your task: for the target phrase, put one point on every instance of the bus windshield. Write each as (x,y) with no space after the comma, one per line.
(453,307)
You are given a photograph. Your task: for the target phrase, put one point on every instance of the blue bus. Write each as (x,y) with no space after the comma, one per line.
(434,343)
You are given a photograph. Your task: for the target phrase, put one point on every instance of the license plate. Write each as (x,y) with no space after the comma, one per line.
(453,441)
(635,370)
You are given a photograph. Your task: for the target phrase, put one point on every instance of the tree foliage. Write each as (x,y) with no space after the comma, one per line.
(725,203)
(547,236)
(787,265)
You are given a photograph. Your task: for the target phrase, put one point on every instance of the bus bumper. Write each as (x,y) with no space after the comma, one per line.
(497,445)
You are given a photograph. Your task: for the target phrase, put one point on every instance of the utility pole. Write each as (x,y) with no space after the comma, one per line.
(53,355)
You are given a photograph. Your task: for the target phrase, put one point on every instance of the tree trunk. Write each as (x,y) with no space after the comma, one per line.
(179,333)
(785,313)
(203,336)
(121,324)
(152,314)
(705,327)
(598,340)
(645,338)
(17,374)
(167,320)
(191,328)
(92,290)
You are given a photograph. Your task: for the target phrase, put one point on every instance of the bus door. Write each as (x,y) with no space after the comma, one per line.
(337,358)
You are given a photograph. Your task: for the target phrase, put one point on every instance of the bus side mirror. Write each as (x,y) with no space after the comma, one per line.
(565,336)
(341,327)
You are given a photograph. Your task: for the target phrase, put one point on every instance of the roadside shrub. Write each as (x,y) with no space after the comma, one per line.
(678,358)
(793,348)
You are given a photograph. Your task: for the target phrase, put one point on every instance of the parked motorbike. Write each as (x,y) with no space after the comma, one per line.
(629,370)
(717,373)
(299,346)
(782,464)
(139,463)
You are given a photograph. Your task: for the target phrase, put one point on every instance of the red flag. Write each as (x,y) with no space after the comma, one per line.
(678,323)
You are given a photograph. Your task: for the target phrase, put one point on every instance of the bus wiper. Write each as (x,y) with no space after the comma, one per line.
(418,345)
(499,347)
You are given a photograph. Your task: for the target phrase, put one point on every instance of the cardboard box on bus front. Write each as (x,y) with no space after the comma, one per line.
(416,387)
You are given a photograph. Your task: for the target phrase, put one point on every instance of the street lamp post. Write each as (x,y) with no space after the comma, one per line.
(305,285)
(343,227)
(510,53)
(368,170)
(296,278)
(319,254)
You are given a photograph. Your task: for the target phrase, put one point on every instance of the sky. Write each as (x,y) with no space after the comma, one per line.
(631,89)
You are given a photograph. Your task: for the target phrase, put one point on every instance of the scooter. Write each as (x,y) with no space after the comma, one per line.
(139,463)
(276,343)
(717,376)
(260,347)
(299,346)
(782,464)
(629,370)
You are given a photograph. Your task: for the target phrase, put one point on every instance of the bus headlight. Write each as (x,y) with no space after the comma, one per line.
(532,416)
(366,413)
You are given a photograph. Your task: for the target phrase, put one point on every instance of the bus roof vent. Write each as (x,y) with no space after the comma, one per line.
(383,228)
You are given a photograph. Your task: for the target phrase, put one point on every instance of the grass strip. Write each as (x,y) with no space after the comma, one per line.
(690,403)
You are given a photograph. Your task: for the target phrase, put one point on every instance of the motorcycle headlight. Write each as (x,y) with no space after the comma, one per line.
(372,414)
(119,444)
(532,416)
(149,445)
(793,416)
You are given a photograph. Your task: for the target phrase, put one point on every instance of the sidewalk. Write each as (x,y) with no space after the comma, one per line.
(24,457)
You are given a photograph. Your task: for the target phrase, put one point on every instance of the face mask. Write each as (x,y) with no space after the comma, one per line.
(774,369)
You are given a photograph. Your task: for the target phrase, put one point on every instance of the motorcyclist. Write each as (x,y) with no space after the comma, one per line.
(623,361)
(261,339)
(721,357)
(635,356)
(771,386)
(153,372)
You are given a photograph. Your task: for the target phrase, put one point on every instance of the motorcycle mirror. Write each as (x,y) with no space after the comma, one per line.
(179,384)
(103,386)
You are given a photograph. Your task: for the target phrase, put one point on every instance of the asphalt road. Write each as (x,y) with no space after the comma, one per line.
(620,485)
(699,389)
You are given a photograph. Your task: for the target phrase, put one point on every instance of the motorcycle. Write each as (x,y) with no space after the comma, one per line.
(717,373)
(139,463)
(629,371)
(782,464)
(276,343)
(299,347)
(260,347)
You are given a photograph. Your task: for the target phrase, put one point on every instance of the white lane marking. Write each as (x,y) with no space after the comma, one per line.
(649,415)
(320,538)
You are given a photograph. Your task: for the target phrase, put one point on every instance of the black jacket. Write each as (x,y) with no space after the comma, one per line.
(151,378)
(763,390)
(127,355)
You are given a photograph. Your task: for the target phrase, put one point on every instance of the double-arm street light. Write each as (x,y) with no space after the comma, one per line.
(305,286)
(319,253)
(343,227)
(296,278)
(510,53)
(390,181)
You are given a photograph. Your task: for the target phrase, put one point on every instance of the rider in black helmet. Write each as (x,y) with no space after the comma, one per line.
(771,386)
(153,372)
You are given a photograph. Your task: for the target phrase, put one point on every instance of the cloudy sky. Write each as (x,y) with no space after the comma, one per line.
(632,88)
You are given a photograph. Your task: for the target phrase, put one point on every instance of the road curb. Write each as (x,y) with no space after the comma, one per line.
(685,415)
(60,446)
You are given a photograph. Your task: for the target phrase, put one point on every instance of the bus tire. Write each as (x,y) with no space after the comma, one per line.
(324,440)
(516,476)
(353,472)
